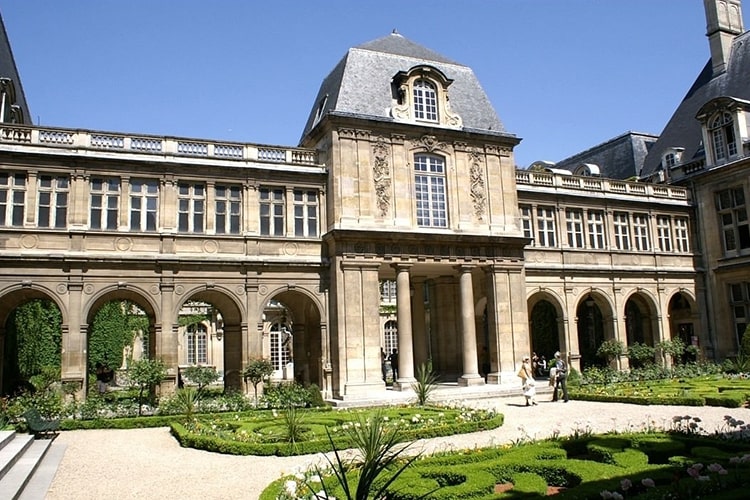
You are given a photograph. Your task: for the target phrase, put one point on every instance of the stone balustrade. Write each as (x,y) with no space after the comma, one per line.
(155,145)
(586,185)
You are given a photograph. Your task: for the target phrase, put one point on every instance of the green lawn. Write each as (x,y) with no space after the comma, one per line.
(655,465)
(302,431)
(715,390)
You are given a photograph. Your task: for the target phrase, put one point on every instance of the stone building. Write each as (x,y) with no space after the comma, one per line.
(404,181)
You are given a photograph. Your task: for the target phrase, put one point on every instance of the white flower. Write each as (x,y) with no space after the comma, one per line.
(291,488)
(648,482)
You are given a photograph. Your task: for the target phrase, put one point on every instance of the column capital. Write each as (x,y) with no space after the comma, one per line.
(465,268)
(402,266)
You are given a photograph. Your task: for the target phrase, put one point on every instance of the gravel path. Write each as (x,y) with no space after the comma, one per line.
(149,463)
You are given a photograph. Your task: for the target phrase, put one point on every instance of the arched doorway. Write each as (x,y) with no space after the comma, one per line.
(121,329)
(545,337)
(639,327)
(590,332)
(210,332)
(30,338)
(296,344)
(682,325)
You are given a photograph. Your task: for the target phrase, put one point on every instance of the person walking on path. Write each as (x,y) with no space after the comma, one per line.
(561,375)
(528,384)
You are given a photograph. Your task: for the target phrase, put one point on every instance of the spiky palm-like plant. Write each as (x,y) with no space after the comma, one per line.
(426,383)
(380,453)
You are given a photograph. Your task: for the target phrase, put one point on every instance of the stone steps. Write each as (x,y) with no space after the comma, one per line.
(27,465)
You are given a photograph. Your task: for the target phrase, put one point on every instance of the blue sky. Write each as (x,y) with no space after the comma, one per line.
(563,75)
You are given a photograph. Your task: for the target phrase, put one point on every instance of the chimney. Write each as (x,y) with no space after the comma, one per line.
(723,23)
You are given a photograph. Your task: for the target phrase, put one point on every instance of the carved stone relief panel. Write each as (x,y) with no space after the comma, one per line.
(381,174)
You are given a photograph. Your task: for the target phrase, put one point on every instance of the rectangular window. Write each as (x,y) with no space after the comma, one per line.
(664,233)
(197,344)
(53,201)
(574,225)
(730,205)
(191,207)
(595,225)
(545,226)
(281,343)
(105,203)
(144,203)
(272,211)
(429,182)
(305,213)
(388,291)
(528,230)
(622,231)
(12,199)
(682,236)
(640,232)
(228,204)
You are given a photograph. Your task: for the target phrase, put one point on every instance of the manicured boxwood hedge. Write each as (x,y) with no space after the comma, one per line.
(322,443)
(583,467)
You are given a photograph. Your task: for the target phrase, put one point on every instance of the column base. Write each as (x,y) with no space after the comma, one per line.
(470,380)
(404,384)
(361,391)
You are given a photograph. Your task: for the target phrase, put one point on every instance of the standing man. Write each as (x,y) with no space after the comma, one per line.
(561,374)
(393,358)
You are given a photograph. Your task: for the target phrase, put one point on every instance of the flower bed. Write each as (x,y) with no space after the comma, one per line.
(700,391)
(270,432)
(659,465)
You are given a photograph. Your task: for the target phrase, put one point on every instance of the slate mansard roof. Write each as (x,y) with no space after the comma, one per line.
(8,70)
(683,130)
(360,84)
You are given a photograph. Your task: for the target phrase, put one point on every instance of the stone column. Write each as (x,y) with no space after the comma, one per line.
(74,339)
(419,328)
(468,330)
(405,343)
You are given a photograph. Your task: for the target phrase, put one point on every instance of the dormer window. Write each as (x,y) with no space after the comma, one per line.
(425,101)
(421,95)
(672,157)
(721,131)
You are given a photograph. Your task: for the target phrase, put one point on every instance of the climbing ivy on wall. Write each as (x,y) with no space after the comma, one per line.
(116,325)
(36,327)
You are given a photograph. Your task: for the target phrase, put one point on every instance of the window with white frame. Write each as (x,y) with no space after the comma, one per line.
(144,203)
(682,235)
(53,201)
(281,346)
(272,211)
(390,337)
(526,225)
(12,198)
(730,205)
(621,224)
(388,291)
(305,213)
(595,226)
(228,208)
(640,232)
(425,101)
(664,233)
(429,182)
(721,130)
(197,344)
(574,225)
(545,226)
(191,207)
(105,203)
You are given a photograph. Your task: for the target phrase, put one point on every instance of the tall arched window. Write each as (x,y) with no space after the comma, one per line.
(425,101)
(197,344)
(429,182)
(721,130)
